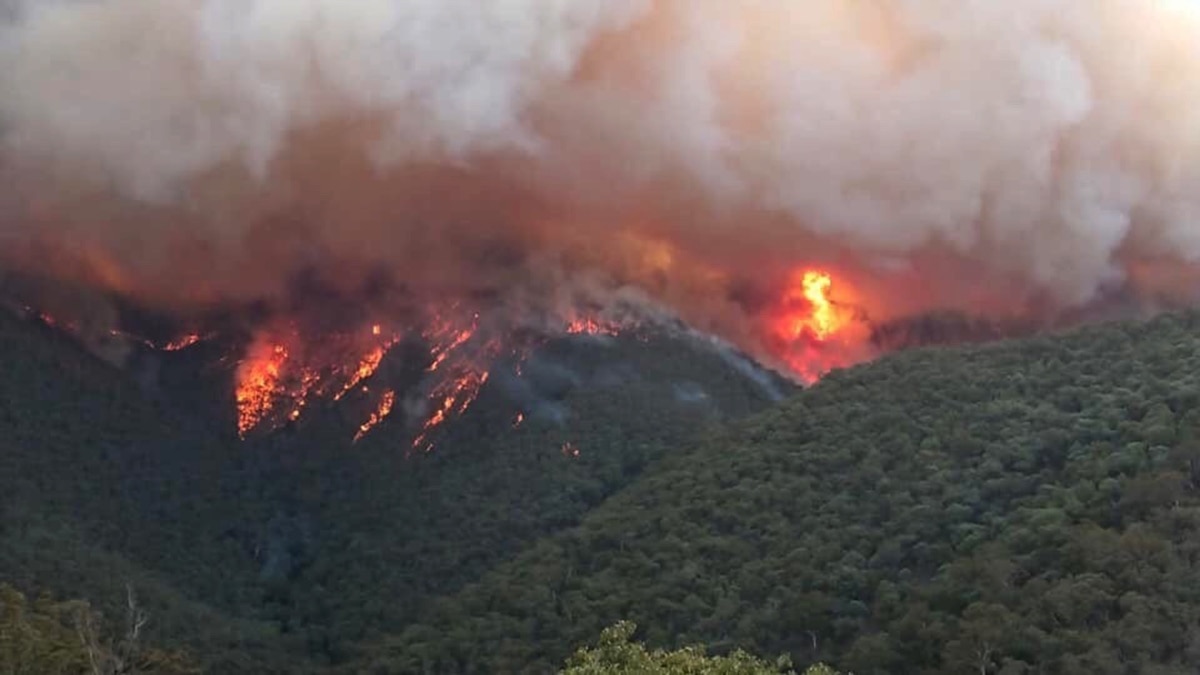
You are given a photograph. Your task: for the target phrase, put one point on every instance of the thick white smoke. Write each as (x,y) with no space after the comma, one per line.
(1049,145)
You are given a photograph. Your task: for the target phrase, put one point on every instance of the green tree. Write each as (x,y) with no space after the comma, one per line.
(616,653)
(50,637)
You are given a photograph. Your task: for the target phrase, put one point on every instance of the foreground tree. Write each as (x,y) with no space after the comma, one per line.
(49,637)
(617,653)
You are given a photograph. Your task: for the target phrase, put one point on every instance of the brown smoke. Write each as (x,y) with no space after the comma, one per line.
(1016,157)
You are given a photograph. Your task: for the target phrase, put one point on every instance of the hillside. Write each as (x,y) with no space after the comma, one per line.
(283,552)
(104,485)
(1027,506)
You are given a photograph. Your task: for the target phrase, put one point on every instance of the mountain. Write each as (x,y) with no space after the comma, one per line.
(1023,506)
(1026,506)
(285,551)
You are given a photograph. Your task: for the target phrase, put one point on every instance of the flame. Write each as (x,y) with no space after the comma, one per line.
(462,358)
(592,326)
(811,332)
(452,396)
(258,384)
(824,320)
(817,314)
(441,352)
(518,420)
(282,373)
(365,369)
(298,395)
(381,413)
(570,450)
(181,343)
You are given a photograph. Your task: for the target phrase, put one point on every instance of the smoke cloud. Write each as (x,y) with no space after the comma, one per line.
(999,156)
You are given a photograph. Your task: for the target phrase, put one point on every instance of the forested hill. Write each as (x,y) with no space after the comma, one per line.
(1028,506)
(284,552)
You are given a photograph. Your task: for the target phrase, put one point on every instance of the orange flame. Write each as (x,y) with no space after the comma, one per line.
(454,396)
(274,378)
(810,330)
(465,371)
(442,352)
(592,326)
(365,369)
(381,413)
(820,318)
(258,384)
(181,343)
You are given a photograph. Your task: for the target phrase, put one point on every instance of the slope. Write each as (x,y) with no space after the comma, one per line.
(104,486)
(379,529)
(281,552)
(993,509)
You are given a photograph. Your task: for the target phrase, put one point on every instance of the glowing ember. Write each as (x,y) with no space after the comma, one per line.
(381,413)
(442,352)
(452,396)
(518,420)
(309,379)
(175,345)
(592,326)
(365,369)
(181,343)
(462,361)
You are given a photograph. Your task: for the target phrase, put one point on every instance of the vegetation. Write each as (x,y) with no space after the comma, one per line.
(284,552)
(48,637)
(1022,507)
(1030,506)
(616,653)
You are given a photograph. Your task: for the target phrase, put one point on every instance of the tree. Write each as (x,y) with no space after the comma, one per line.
(70,638)
(616,653)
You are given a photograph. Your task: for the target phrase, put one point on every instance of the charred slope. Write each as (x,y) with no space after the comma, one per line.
(298,543)
(976,509)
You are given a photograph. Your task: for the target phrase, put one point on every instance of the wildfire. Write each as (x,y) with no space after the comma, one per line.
(282,372)
(824,320)
(592,326)
(258,384)
(451,397)
(381,413)
(809,329)
(181,343)
(809,326)
(365,369)
(461,357)
(446,337)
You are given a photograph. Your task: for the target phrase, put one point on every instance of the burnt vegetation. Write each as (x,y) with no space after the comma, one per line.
(1026,506)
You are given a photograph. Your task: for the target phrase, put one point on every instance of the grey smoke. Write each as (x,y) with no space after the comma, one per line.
(1043,145)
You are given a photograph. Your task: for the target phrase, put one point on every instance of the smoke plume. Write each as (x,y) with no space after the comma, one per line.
(1016,157)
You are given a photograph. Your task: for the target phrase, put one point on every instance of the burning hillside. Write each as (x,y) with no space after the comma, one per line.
(284,366)
(798,179)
